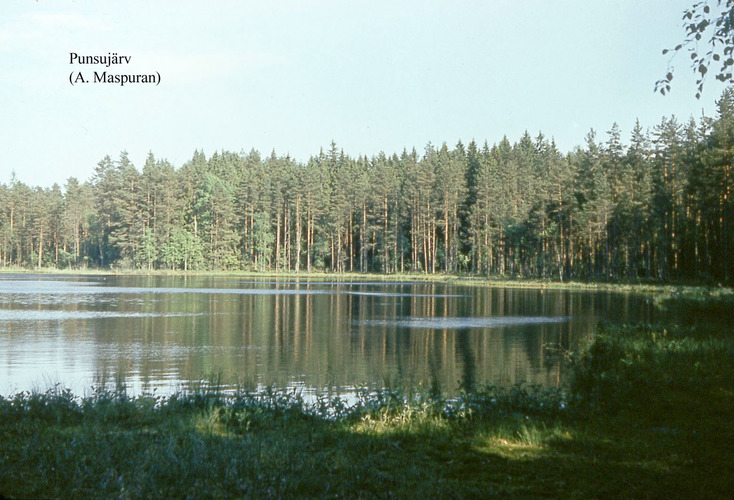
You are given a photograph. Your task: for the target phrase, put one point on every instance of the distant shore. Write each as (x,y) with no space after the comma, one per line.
(492,281)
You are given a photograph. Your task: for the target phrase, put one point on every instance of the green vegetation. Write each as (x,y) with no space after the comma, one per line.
(659,208)
(647,414)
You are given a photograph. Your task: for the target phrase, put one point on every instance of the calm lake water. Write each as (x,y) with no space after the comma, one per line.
(163,334)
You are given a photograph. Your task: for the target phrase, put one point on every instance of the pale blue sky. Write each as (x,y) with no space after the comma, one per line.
(293,75)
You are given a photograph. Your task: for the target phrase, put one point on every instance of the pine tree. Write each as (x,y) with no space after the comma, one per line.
(16,234)
(637,204)
(484,225)
(450,191)
(715,191)
(667,183)
(78,204)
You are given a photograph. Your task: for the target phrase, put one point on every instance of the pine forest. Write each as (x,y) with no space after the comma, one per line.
(657,206)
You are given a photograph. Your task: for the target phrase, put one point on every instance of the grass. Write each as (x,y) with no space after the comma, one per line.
(522,441)
(647,413)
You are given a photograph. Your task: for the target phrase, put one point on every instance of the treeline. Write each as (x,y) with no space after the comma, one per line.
(659,208)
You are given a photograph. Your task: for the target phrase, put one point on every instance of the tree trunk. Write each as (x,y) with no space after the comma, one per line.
(40,249)
(298,235)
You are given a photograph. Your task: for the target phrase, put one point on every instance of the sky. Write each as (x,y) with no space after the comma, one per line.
(292,76)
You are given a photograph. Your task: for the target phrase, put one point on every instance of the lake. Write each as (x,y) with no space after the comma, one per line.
(163,334)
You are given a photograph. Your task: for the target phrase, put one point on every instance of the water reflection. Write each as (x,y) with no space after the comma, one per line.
(167,333)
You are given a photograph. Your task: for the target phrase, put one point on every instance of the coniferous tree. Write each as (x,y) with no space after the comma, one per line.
(19,208)
(660,208)
(78,205)
(667,192)
(450,191)
(5,233)
(484,225)
(715,191)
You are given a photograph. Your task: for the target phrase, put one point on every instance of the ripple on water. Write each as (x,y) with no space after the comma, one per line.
(58,315)
(458,323)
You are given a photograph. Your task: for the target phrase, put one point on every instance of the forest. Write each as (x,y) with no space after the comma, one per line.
(656,208)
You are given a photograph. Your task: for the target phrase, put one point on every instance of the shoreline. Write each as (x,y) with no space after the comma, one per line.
(468,280)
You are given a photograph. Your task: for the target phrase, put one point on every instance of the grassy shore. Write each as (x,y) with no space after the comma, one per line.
(647,413)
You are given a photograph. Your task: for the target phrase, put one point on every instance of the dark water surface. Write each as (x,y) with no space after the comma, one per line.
(165,334)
